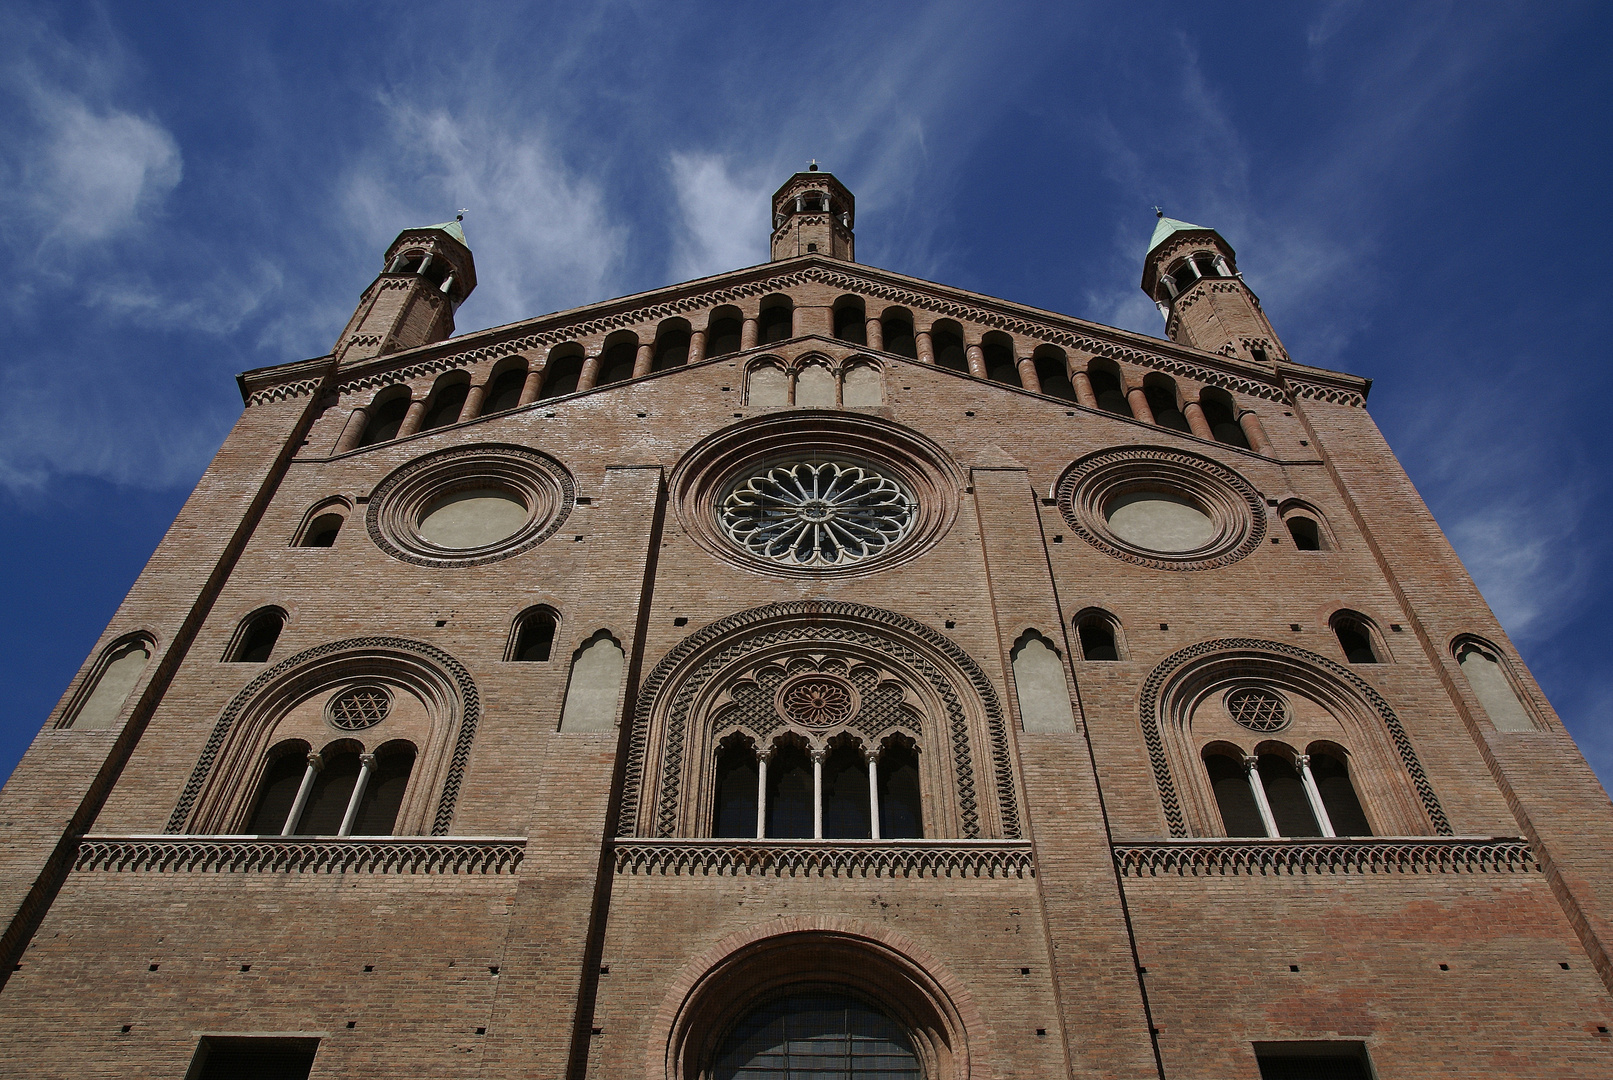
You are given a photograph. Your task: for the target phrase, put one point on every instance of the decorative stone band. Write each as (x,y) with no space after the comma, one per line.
(833,858)
(170,854)
(1287,858)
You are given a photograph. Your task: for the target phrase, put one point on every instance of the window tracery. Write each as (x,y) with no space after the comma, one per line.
(817,513)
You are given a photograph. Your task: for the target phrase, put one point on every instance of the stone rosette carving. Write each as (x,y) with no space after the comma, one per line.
(817,701)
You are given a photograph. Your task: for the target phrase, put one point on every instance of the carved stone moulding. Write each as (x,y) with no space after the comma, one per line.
(169,854)
(926,478)
(1216,500)
(839,858)
(1294,858)
(536,492)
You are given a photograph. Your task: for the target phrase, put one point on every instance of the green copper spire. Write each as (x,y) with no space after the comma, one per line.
(1167,228)
(453,228)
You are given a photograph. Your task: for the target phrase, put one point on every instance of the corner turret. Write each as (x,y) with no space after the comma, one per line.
(427,273)
(1191,274)
(813,213)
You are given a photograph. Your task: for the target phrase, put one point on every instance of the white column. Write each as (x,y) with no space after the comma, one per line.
(421,269)
(873,796)
(1314,794)
(817,794)
(315,763)
(761,796)
(366,766)
(1251,769)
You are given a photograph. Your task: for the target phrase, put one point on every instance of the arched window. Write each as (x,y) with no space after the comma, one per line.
(998,349)
(861,385)
(255,639)
(671,345)
(789,792)
(1161,394)
(1357,638)
(1286,795)
(851,324)
(596,680)
(820,1034)
(332,790)
(1331,775)
(1182,274)
(277,790)
(110,685)
(1205,263)
(1304,531)
(323,529)
(846,806)
(341,791)
(1107,389)
(1053,372)
(386,416)
(533,637)
(1099,635)
(734,805)
(767,384)
(901,813)
(897,324)
(775,323)
(616,362)
(504,392)
(1229,780)
(1221,415)
(723,332)
(1044,696)
(1486,672)
(382,795)
(561,371)
(947,337)
(447,401)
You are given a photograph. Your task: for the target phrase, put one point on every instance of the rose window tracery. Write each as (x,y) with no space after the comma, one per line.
(1258,709)
(817,701)
(359,708)
(817,514)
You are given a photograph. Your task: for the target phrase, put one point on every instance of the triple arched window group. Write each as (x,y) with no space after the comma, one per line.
(793,790)
(1279,792)
(340,790)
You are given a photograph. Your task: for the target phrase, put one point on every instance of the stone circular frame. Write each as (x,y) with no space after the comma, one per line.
(1258,708)
(1234,508)
(816,700)
(359,707)
(715,467)
(403,499)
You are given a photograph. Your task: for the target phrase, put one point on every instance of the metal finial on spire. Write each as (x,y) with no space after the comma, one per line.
(1159,211)
(463,210)
(812,166)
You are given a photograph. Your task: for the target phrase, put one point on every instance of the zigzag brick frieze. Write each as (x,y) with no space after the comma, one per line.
(1291,858)
(256,855)
(841,859)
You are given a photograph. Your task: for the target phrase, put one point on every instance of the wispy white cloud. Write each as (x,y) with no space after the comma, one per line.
(722,217)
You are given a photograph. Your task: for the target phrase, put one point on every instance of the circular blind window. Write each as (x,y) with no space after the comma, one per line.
(817,514)
(359,708)
(1258,709)
(1157,521)
(472,519)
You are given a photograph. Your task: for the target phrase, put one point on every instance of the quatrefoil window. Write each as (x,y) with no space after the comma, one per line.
(359,707)
(817,514)
(1258,709)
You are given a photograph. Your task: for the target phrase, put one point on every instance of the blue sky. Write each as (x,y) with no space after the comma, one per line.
(1413,189)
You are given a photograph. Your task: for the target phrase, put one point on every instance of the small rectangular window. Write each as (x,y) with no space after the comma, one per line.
(232,1057)
(1330,1060)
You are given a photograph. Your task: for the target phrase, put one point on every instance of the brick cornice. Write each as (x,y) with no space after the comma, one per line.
(833,858)
(174,854)
(1289,858)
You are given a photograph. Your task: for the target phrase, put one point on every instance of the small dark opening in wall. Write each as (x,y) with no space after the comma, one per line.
(246,967)
(1142,971)
(1302,442)
(578,538)
(442,622)
(153,967)
(351,1024)
(1563,965)
(596,1031)
(1396,627)
(1601,1029)
(1058,539)
(951,625)
(1164,626)
(641,415)
(680,621)
(127,1028)
(1069,414)
(369,967)
(584,500)
(1294,626)
(1024,971)
(1050,502)
(604,969)
(481,1031)
(1444,967)
(492,969)
(1293,967)
(812,249)
(968,414)
(1041,1033)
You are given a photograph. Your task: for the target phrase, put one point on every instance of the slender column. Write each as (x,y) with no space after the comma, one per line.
(412,418)
(1170,285)
(421,269)
(473,402)
(1164,309)
(876,334)
(697,346)
(1027,374)
(590,372)
(977,361)
(397,264)
(1194,267)
(1313,794)
(1083,388)
(315,763)
(1221,266)
(1196,422)
(1251,769)
(817,794)
(366,766)
(1255,432)
(532,387)
(748,332)
(447,283)
(1139,405)
(926,346)
(873,796)
(761,796)
(642,361)
(354,431)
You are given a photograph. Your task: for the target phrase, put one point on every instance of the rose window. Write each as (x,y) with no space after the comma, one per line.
(817,514)
(359,708)
(1258,709)
(817,701)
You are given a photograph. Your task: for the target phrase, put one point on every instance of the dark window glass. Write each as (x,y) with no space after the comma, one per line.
(774,324)
(845,795)
(385,421)
(257,641)
(617,363)
(1285,792)
(1183,276)
(277,792)
(1307,537)
(789,794)
(1097,641)
(327,803)
(1054,376)
(899,338)
(901,814)
(671,350)
(505,393)
(560,376)
(1223,425)
(817,1036)
(1356,644)
(1162,403)
(949,351)
(445,409)
(735,811)
(1240,815)
(535,640)
(322,531)
(1000,366)
(383,795)
(850,324)
(723,337)
(1106,388)
(1338,796)
(254,1059)
(1206,266)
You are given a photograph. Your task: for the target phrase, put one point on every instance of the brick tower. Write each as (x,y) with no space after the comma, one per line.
(811,668)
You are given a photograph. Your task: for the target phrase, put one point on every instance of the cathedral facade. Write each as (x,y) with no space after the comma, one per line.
(814,671)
